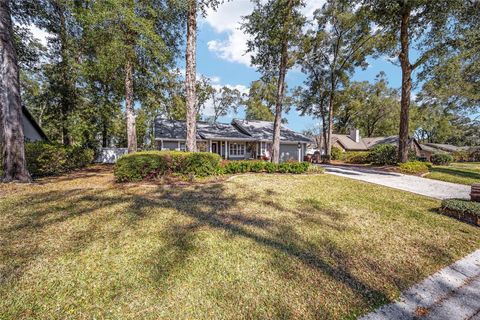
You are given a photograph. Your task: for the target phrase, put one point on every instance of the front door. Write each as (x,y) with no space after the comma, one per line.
(214,147)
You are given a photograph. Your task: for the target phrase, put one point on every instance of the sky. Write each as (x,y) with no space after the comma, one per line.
(222,57)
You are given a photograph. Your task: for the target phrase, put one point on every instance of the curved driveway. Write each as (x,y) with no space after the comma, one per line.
(427,187)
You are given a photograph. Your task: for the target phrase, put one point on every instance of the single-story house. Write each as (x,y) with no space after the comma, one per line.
(354,142)
(428,149)
(240,139)
(31,129)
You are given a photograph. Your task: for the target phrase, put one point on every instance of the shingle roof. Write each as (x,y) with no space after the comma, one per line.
(372,142)
(445,147)
(177,130)
(348,143)
(263,130)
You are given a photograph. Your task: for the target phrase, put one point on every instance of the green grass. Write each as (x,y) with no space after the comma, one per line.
(257,246)
(463,173)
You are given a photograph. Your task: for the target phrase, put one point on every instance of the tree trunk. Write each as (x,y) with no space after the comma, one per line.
(190,77)
(406,88)
(13,148)
(67,91)
(129,108)
(330,126)
(279,105)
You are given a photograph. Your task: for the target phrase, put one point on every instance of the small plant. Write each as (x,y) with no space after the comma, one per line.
(336,153)
(383,154)
(415,167)
(357,157)
(443,159)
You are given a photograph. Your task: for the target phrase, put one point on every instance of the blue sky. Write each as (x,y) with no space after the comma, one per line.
(221,57)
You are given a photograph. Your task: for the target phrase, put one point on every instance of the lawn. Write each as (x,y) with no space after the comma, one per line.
(257,246)
(463,173)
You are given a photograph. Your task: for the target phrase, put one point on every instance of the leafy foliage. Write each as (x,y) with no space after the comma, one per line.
(441,159)
(242,166)
(45,159)
(383,154)
(358,157)
(152,164)
(415,167)
(462,206)
(336,153)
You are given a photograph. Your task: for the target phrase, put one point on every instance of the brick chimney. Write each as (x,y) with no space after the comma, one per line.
(355,135)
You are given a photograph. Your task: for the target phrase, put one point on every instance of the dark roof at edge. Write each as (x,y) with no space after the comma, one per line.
(34,123)
(238,129)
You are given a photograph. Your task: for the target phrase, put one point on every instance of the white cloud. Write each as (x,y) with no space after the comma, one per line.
(227,19)
(39,34)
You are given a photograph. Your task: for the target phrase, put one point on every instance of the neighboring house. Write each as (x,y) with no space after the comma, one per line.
(240,139)
(31,129)
(354,142)
(428,149)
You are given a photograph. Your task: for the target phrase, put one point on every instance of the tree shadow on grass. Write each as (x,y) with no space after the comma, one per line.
(209,206)
(457,172)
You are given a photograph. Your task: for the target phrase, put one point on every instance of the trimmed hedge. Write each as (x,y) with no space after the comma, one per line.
(441,159)
(152,164)
(46,159)
(358,157)
(383,154)
(462,209)
(242,166)
(415,167)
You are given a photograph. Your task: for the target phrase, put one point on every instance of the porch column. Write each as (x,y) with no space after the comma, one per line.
(226,150)
(210,146)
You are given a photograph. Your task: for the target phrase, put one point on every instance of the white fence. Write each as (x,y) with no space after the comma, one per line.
(110,155)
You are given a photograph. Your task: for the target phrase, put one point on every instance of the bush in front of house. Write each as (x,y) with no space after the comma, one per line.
(384,154)
(47,159)
(336,153)
(461,156)
(442,159)
(462,209)
(243,166)
(356,157)
(415,167)
(152,164)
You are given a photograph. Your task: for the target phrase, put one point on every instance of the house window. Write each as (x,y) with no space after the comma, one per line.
(237,149)
(182,146)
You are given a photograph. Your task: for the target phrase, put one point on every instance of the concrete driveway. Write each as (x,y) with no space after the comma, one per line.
(427,187)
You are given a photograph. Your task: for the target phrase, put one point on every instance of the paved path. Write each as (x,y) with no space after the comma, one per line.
(453,293)
(427,187)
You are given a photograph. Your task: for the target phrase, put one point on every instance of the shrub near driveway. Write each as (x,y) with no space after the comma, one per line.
(462,209)
(415,167)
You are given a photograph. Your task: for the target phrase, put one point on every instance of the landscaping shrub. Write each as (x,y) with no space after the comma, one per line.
(152,164)
(462,209)
(415,167)
(383,154)
(358,157)
(441,159)
(201,164)
(474,155)
(461,156)
(46,159)
(336,153)
(315,169)
(242,166)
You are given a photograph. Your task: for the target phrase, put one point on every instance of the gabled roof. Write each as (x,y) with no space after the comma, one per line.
(220,131)
(348,143)
(372,142)
(238,130)
(263,131)
(445,147)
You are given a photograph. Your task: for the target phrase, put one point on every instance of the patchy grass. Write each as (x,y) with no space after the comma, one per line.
(256,246)
(464,173)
